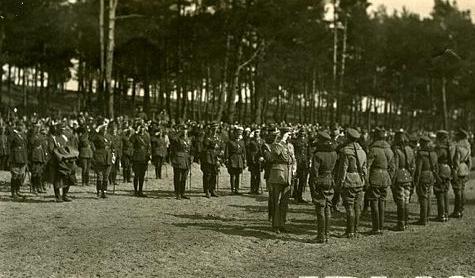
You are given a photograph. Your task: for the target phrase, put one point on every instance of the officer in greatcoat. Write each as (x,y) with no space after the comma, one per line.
(210,160)
(381,170)
(462,165)
(351,178)
(405,164)
(180,157)
(235,158)
(18,158)
(322,182)
(426,175)
(102,159)
(141,153)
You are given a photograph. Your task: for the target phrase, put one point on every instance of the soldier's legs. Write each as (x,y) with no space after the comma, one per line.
(206,177)
(212,183)
(357,207)
(142,169)
(237,182)
(184,174)
(255,179)
(176,181)
(270,204)
(372,194)
(349,199)
(159,166)
(276,195)
(284,204)
(320,223)
(302,182)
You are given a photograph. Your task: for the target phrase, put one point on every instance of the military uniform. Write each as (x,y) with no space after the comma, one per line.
(85,154)
(303,160)
(37,159)
(403,179)
(235,157)
(210,156)
(63,160)
(159,152)
(18,160)
(381,170)
(352,172)
(322,183)
(102,160)
(127,152)
(425,177)
(255,162)
(280,175)
(445,154)
(181,162)
(462,163)
(116,156)
(141,147)
(4,150)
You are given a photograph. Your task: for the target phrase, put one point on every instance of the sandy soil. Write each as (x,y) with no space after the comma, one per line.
(227,236)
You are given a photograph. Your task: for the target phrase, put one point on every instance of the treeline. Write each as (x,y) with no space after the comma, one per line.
(247,60)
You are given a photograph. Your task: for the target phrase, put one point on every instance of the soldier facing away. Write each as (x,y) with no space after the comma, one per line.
(322,183)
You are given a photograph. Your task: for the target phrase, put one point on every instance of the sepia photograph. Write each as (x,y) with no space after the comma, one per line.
(237,138)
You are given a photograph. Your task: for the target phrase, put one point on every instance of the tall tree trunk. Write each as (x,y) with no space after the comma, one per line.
(225,85)
(330,99)
(110,56)
(444,103)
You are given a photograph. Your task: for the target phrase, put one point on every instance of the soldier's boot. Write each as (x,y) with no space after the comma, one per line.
(382,210)
(57,195)
(400,217)
(156,173)
(440,207)
(350,222)
(98,187)
(357,210)
(65,194)
(233,185)
(446,206)
(406,215)
(13,190)
(136,186)
(423,212)
(457,196)
(141,194)
(320,225)
(237,183)
(327,222)
(104,190)
(375,217)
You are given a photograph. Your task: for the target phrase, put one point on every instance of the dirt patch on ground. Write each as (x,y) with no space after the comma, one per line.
(227,236)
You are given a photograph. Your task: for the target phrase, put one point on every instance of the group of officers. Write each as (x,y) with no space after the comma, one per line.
(346,165)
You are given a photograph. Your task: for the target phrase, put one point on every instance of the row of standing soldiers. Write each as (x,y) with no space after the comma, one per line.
(358,173)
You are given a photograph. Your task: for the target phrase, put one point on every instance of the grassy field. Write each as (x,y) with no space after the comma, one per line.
(227,236)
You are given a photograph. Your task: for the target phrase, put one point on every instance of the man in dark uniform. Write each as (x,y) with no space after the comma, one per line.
(140,142)
(426,175)
(322,183)
(270,138)
(255,160)
(280,176)
(210,160)
(445,154)
(159,150)
(405,165)
(302,156)
(64,155)
(85,153)
(18,158)
(462,165)
(235,157)
(180,147)
(351,178)
(127,152)
(37,158)
(381,170)
(4,148)
(116,141)
(102,159)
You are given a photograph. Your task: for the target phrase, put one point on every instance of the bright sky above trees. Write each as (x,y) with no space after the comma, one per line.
(422,7)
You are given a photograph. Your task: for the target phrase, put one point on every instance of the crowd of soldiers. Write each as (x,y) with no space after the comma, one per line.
(348,165)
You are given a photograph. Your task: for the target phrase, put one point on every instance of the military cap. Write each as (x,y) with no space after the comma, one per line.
(442,133)
(462,133)
(285,129)
(425,138)
(213,125)
(324,135)
(380,132)
(413,137)
(353,133)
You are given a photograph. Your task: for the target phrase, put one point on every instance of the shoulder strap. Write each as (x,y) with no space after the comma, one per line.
(358,164)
